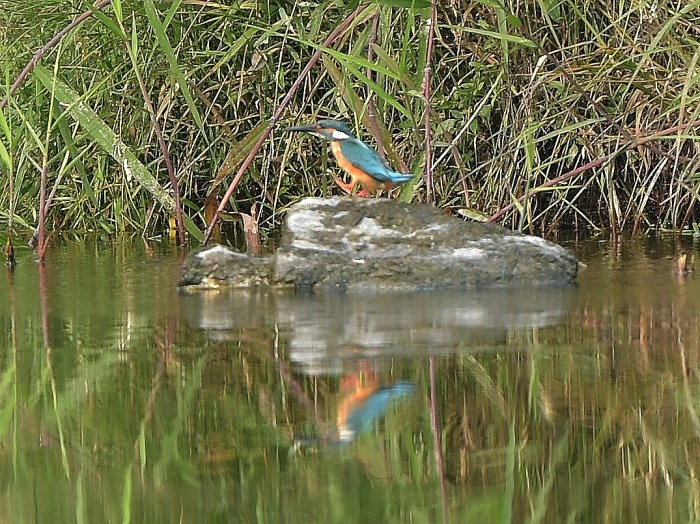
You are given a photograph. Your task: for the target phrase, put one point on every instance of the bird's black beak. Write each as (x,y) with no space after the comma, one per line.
(301,129)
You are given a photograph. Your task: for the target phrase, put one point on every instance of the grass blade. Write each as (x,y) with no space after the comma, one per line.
(101,133)
(167,49)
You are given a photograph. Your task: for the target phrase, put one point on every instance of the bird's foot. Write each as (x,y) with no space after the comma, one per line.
(342,185)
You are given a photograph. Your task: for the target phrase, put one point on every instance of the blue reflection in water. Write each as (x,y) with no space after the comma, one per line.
(363,401)
(364,408)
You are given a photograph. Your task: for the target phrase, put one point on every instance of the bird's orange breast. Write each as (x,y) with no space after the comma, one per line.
(356,390)
(357,174)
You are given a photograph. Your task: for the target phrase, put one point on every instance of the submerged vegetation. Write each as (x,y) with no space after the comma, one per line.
(541,115)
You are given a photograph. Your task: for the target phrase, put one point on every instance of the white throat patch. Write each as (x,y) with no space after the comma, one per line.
(339,135)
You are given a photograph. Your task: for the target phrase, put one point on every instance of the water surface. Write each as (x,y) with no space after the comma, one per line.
(122,399)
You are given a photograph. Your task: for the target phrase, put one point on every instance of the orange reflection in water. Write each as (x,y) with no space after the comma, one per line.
(363,400)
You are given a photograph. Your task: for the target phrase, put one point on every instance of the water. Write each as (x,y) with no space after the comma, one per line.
(121,399)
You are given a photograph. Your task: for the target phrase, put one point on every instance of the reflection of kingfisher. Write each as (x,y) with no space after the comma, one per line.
(364,401)
(361,162)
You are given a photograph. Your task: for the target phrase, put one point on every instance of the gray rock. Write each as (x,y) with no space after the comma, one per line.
(214,266)
(377,244)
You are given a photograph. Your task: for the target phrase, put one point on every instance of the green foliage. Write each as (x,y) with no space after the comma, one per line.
(99,132)
(521,95)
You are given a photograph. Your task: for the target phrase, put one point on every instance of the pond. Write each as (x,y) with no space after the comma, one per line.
(122,399)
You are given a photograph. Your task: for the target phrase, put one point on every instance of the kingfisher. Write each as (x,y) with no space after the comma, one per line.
(360,161)
(364,400)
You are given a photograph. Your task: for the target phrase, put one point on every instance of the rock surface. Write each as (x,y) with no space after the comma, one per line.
(211,267)
(377,244)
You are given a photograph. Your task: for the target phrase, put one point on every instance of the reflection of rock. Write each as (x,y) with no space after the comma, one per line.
(324,330)
(220,310)
(368,244)
(321,332)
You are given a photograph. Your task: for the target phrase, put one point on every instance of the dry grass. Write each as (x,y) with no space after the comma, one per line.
(521,98)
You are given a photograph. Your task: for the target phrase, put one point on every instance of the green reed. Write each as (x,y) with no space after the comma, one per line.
(542,116)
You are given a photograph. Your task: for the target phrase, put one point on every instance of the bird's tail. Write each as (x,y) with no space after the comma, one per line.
(401,178)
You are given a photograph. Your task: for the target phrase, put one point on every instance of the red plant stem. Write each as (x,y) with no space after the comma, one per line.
(427,95)
(51,43)
(165,152)
(41,243)
(371,107)
(34,240)
(590,165)
(595,163)
(275,117)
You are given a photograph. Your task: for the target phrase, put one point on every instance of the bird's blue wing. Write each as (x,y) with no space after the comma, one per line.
(365,158)
(362,417)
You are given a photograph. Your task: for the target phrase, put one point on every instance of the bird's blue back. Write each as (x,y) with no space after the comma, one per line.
(361,417)
(364,157)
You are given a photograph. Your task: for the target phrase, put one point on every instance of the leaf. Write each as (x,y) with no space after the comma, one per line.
(414,4)
(347,60)
(172,11)
(473,214)
(118,11)
(235,49)
(237,154)
(192,228)
(134,40)
(346,91)
(551,7)
(107,21)
(5,157)
(379,91)
(5,126)
(395,68)
(408,190)
(164,44)
(499,36)
(100,132)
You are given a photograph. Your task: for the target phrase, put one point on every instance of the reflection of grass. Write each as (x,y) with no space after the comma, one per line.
(503,458)
(589,421)
(170,454)
(8,398)
(593,423)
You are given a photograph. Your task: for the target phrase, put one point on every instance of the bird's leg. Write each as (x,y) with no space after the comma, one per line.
(364,193)
(345,187)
